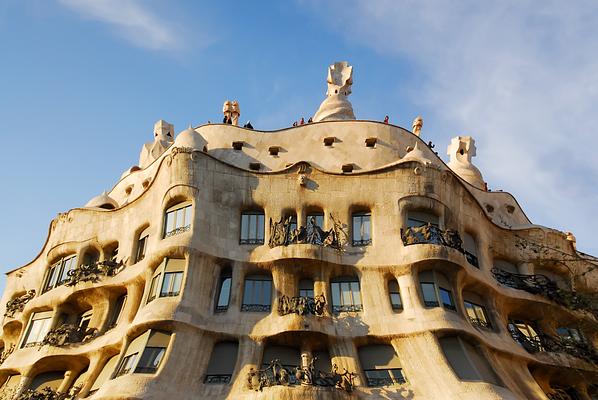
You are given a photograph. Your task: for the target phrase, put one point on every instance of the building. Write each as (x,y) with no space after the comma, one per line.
(337,259)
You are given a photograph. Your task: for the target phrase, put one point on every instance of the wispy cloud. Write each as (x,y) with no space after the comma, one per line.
(519,76)
(132,20)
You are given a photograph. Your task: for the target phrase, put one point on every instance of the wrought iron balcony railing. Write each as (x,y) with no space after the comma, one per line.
(541,285)
(256,307)
(94,272)
(337,309)
(283,233)
(431,234)
(68,334)
(301,305)
(277,374)
(178,230)
(18,304)
(220,379)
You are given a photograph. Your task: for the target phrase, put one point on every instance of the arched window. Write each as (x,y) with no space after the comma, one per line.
(252,227)
(224,286)
(395,295)
(361,228)
(152,346)
(420,218)
(257,293)
(222,362)
(346,294)
(178,219)
(436,290)
(467,360)
(167,279)
(306,288)
(381,365)
(142,245)
(471,249)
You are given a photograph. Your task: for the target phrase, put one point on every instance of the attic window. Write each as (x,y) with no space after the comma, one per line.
(237,145)
(329,140)
(347,167)
(255,166)
(273,150)
(107,206)
(371,141)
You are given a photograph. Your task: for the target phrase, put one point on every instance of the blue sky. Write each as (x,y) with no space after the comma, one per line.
(82,82)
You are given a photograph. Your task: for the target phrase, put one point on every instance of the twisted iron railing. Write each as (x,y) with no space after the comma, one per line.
(541,285)
(301,305)
(282,233)
(18,304)
(68,334)
(94,272)
(277,374)
(431,234)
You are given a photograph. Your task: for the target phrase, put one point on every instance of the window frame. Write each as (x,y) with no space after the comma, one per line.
(142,240)
(257,307)
(159,278)
(225,276)
(57,274)
(439,289)
(187,209)
(477,309)
(341,295)
(248,239)
(397,294)
(158,356)
(45,320)
(363,241)
(316,215)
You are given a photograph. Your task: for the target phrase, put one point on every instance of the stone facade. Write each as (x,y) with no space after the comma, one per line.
(351,262)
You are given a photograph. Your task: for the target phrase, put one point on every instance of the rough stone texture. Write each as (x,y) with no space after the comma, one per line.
(218,182)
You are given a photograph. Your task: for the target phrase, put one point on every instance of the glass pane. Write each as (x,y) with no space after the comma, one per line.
(224,292)
(267,292)
(336,293)
(356,293)
(480,313)
(366,227)
(170,221)
(346,293)
(141,248)
(253,226)
(260,227)
(469,310)
(150,359)
(395,300)
(248,292)
(244,227)
(187,215)
(447,298)
(429,293)
(356,228)
(176,283)
(52,277)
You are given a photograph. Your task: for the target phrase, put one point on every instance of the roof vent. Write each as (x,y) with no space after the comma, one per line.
(371,141)
(347,167)
(329,140)
(255,166)
(237,145)
(273,150)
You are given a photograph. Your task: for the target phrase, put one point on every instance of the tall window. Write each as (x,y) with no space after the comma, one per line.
(395,295)
(471,250)
(381,365)
(257,293)
(436,290)
(58,274)
(306,288)
(467,360)
(224,290)
(419,218)
(178,219)
(222,363)
(346,295)
(318,218)
(526,335)
(167,279)
(84,319)
(475,312)
(144,354)
(142,245)
(252,227)
(361,229)
(38,328)
(119,305)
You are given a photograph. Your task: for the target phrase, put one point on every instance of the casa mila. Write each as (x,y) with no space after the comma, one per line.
(337,259)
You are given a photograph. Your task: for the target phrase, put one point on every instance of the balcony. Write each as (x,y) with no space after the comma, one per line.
(94,272)
(282,233)
(431,234)
(68,334)
(543,286)
(301,305)
(18,304)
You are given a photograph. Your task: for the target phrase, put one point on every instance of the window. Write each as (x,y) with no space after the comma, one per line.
(84,319)
(317,217)
(395,295)
(470,248)
(90,257)
(178,219)
(58,274)
(117,312)
(222,363)
(51,380)
(434,290)
(142,245)
(506,266)
(252,227)
(167,279)
(289,358)
(104,374)
(293,221)
(526,335)
(419,218)
(476,314)
(38,328)
(346,295)
(570,334)
(152,346)
(306,288)
(361,229)
(467,360)
(257,294)
(381,365)
(224,290)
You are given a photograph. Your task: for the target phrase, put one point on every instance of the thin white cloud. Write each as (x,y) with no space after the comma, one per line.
(132,20)
(520,76)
